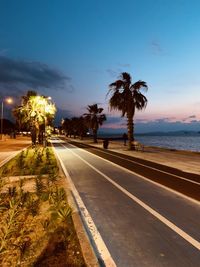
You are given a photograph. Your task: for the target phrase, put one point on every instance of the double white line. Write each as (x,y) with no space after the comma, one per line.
(102,249)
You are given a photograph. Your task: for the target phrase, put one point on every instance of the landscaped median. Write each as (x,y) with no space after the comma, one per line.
(35,217)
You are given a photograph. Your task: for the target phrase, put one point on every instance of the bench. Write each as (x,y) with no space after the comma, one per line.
(138,146)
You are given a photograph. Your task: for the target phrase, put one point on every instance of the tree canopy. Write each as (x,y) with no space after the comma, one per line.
(94,119)
(35,112)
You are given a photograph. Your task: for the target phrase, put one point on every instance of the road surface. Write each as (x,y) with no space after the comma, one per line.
(141,222)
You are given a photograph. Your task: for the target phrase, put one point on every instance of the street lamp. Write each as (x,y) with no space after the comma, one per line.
(45,120)
(9,101)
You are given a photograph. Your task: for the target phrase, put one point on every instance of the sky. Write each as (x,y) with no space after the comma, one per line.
(72,51)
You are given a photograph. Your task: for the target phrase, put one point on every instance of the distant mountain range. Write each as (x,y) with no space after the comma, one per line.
(171,133)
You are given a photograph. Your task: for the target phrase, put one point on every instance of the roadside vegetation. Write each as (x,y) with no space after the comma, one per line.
(79,126)
(94,118)
(35,218)
(125,97)
(35,114)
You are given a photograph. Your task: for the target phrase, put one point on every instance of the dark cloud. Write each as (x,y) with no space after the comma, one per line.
(126,65)
(156,47)
(190,117)
(112,73)
(115,73)
(194,121)
(18,75)
(166,119)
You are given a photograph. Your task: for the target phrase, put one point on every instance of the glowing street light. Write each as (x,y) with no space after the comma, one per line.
(9,101)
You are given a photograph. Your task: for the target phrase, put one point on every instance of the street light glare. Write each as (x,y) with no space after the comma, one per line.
(9,100)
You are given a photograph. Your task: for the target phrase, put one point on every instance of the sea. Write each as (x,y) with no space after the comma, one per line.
(189,142)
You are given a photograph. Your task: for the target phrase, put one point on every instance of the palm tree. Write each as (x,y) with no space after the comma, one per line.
(126,97)
(20,116)
(82,128)
(36,112)
(75,126)
(66,126)
(94,119)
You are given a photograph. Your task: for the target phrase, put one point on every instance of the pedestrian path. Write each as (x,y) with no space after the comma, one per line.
(9,147)
(183,160)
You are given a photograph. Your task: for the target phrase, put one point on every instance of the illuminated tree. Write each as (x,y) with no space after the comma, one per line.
(36,113)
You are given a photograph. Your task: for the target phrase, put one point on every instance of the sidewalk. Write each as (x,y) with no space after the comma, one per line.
(10,146)
(183,160)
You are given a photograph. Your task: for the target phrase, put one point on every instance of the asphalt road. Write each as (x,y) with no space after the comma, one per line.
(140,222)
(183,182)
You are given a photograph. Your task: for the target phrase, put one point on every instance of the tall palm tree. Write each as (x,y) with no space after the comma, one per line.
(94,119)
(126,97)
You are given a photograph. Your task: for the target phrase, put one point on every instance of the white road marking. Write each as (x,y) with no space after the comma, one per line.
(180,177)
(164,220)
(141,176)
(102,250)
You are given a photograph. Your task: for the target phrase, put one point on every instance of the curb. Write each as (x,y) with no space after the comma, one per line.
(88,252)
(12,156)
(86,247)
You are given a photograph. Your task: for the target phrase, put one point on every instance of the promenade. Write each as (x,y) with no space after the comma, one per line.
(156,204)
(183,160)
(10,146)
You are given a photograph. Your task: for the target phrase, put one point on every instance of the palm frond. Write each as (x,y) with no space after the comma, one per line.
(140,101)
(126,77)
(94,118)
(101,119)
(139,85)
(117,85)
(118,101)
(100,110)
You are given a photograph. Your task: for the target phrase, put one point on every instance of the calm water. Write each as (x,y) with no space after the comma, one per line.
(182,142)
(191,143)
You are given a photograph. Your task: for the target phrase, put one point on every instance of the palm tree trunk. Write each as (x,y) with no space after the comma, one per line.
(95,135)
(130,127)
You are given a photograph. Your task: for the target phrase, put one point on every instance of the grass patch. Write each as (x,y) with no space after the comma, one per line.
(36,224)
(32,161)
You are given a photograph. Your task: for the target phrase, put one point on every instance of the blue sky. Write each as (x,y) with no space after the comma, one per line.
(72,50)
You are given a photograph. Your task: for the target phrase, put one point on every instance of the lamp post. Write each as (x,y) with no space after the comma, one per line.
(45,121)
(9,101)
